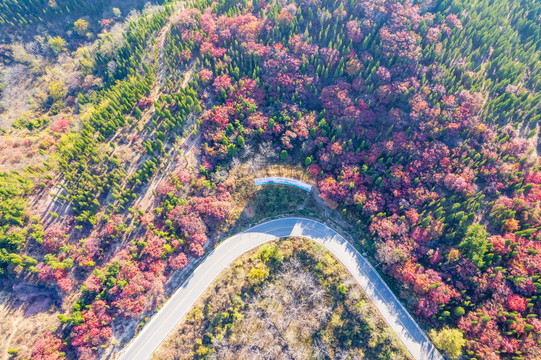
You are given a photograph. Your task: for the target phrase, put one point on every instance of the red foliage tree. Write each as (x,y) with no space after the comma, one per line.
(196,250)
(61,126)
(154,248)
(54,238)
(48,347)
(517,303)
(166,187)
(95,329)
(144,103)
(221,82)
(179,262)
(354,32)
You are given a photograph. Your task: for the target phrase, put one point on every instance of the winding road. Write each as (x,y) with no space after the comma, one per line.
(174,310)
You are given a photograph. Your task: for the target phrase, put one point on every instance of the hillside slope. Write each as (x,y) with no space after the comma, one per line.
(125,154)
(284,300)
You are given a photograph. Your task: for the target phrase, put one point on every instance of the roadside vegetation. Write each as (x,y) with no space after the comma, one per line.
(285,300)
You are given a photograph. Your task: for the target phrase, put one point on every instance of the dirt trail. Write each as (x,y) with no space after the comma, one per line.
(14,327)
(144,202)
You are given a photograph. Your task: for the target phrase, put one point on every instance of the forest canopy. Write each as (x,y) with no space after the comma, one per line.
(130,137)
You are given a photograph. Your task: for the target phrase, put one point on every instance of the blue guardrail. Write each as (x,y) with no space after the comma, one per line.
(283,181)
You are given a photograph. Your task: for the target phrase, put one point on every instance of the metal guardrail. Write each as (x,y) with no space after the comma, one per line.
(276,180)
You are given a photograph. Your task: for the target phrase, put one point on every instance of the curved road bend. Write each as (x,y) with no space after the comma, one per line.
(180,303)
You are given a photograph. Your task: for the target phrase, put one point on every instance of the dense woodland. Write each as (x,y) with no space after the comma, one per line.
(59,17)
(417,120)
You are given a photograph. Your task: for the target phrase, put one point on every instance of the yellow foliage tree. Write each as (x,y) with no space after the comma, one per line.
(56,90)
(511,225)
(453,255)
(449,340)
(257,275)
(81,27)
(57,44)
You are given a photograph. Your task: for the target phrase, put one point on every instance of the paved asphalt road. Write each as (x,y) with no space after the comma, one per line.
(155,332)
